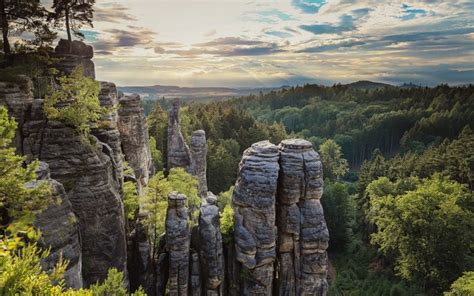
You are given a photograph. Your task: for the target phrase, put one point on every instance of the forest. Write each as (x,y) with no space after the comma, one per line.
(399,173)
(398,168)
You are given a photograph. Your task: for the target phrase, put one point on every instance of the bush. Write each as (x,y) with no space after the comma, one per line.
(75,102)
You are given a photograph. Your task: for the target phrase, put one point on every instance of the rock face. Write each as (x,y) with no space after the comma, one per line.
(302,233)
(134,135)
(254,216)
(73,54)
(211,249)
(107,129)
(178,153)
(60,231)
(198,160)
(178,239)
(86,170)
(17,96)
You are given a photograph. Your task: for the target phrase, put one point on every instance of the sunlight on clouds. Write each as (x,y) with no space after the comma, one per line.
(270,43)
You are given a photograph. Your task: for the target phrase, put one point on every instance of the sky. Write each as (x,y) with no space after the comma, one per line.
(272,43)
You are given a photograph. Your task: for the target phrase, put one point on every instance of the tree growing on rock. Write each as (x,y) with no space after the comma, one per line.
(75,101)
(75,14)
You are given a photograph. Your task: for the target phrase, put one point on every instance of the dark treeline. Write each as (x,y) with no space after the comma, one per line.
(389,119)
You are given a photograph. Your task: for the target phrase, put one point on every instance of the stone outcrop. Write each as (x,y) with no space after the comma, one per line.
(254,216)
(73,54)
(178,239)
(59,231)
(211,248)
(86,170)
(198,156)
(106,130)
(134,136)
(302,233)
(178,154)
(17,96)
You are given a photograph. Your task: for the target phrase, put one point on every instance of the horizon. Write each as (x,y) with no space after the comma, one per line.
(254,44)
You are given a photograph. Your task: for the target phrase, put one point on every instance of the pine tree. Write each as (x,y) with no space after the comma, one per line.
(20,16)
(75,13)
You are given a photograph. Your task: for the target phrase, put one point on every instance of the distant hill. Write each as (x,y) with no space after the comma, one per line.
(365,84)
(192,93)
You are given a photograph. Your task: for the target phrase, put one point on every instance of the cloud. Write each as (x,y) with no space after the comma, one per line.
(409,13)
(230,41)
(279,34)
(432,75)
(346,23)
(309,6)
(113,13)
(115,39)
(331,47)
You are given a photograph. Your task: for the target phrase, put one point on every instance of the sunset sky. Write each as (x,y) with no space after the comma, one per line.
(273,43)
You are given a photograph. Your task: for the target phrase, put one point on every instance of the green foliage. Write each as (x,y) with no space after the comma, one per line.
(19,17)
(428,228)
(130,199)
(334,165)
(75,101)
(225,198)
(338,212)
(113,285)
(463,286)
(21,202)
(156,155)
(155,201)
(21,273)
(222,158)
(157,122)
(75,15)
(227,224)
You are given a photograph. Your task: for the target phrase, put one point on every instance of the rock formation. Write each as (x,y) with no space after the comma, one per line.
(107,129)
(17,96)
(254,217)
(87,174)
(59,231)
(178,154)
(211,249)
(73,54)
(302,233)
(177,244)
(198,160)
(134,135)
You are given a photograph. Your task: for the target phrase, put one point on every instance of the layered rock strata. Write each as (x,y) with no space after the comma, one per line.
(255,232)
(134,137)
(178,154)
(302,233)
(59,231)
(178,239)
(87,173)
(17,96)
(198,156)
(211,248)
(69,55)
(106,130)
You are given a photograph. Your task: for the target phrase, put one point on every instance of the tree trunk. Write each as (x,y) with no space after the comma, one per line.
(4,25)
(68,26)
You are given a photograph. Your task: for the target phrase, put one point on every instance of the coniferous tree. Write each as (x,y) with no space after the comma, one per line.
(75,13)
(19,16)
